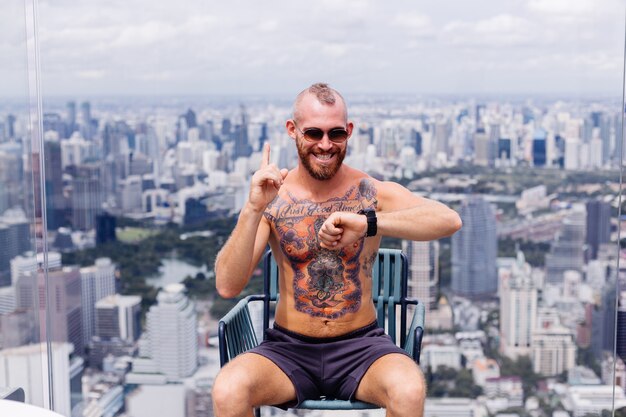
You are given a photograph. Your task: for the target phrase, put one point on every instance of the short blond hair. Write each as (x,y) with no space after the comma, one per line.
(324,94)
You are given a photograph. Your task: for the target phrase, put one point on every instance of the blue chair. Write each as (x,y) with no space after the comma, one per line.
(389,292)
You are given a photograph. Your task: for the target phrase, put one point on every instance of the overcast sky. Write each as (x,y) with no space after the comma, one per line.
(97,47)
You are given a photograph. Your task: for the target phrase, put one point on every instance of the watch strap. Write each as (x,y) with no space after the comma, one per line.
(372,221)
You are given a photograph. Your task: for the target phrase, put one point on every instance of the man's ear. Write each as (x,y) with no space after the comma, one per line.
(349,128)
(290,125)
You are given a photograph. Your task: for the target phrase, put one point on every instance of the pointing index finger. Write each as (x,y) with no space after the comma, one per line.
(265,160)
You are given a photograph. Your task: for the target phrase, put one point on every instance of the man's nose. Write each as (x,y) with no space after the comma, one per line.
(325,143)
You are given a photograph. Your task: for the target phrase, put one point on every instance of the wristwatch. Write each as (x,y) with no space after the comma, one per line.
(372,225)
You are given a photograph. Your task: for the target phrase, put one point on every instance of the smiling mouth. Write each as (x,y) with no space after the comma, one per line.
(324,157)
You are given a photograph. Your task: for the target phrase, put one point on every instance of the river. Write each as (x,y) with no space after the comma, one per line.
(174,271)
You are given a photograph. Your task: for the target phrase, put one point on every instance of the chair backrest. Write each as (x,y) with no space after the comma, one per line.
(389,290)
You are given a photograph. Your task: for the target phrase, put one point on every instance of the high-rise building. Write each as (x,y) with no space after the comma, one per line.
(119,317)
(240,136)
(474,250)
(620,342)
(105,228)
(14,240)
(423,258)
(55,199)
(71,118)
(29,367)
(117,327)
(7,299)
(504,148)
(486,145)
(86,197)
(518,308)
(553,346)
(539,151)
(85,120)
(441,136)
(174,314)
(97,282)
(65,309)
(567,249)
(18,328)
(64,287)
(598,225)
(131,194)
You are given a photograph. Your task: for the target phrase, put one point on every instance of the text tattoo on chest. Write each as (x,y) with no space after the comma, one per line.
(326,282)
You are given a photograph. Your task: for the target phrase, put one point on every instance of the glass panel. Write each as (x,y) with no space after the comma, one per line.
(22,287)
(153,120)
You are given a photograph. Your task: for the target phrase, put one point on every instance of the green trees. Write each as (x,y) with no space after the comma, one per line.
(140,259)
(448,382)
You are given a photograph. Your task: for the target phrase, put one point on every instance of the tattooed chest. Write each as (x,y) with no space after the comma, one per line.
(326,282)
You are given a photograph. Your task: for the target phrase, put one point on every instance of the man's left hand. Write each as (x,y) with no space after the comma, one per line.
(342,229)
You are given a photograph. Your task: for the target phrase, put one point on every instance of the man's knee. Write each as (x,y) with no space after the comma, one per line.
(410,394)
(231,386)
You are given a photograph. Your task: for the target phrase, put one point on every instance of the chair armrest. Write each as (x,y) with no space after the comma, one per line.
(415,333)
(236,331)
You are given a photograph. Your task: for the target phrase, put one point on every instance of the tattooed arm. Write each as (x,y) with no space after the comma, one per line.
(242,251)
(400,213)
(407,216)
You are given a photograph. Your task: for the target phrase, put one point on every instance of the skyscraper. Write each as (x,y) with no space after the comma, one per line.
(97,282)
(539,148)
(567,249)
(423,281)
(65,306)
(29,367)
(55,200)
(598,225)
(474,250)
(14,240)
(71,118)
(171,332)
(518,308)
(242,145)
(86,197)
(117,327)
(620,342)
(64,288)
(119,316)
(85,120)
(603,319)
(553,347)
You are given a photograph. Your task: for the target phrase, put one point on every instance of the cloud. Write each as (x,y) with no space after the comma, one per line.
(94,74)
(238,46)
(335,50)
(503,30)
(563,7)
(145,34)
(415,24)
(268,25)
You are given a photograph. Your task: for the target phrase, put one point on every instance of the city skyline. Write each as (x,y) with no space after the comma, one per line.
(186,167)
(526,46)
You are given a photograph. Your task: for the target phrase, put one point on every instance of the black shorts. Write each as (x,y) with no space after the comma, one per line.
(330,367)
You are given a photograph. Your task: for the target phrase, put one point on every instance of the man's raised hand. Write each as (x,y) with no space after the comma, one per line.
(266,181)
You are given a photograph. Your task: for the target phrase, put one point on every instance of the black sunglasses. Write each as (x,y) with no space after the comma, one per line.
(314,134)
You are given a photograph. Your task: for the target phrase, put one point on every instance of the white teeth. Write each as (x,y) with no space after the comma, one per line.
(323,156)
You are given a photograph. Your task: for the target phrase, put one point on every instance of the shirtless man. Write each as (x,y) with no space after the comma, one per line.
(315,218)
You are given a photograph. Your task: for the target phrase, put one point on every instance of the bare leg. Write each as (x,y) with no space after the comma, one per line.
(248,381)
(396,383)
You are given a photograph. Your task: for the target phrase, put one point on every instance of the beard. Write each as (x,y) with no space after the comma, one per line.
(320,172)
